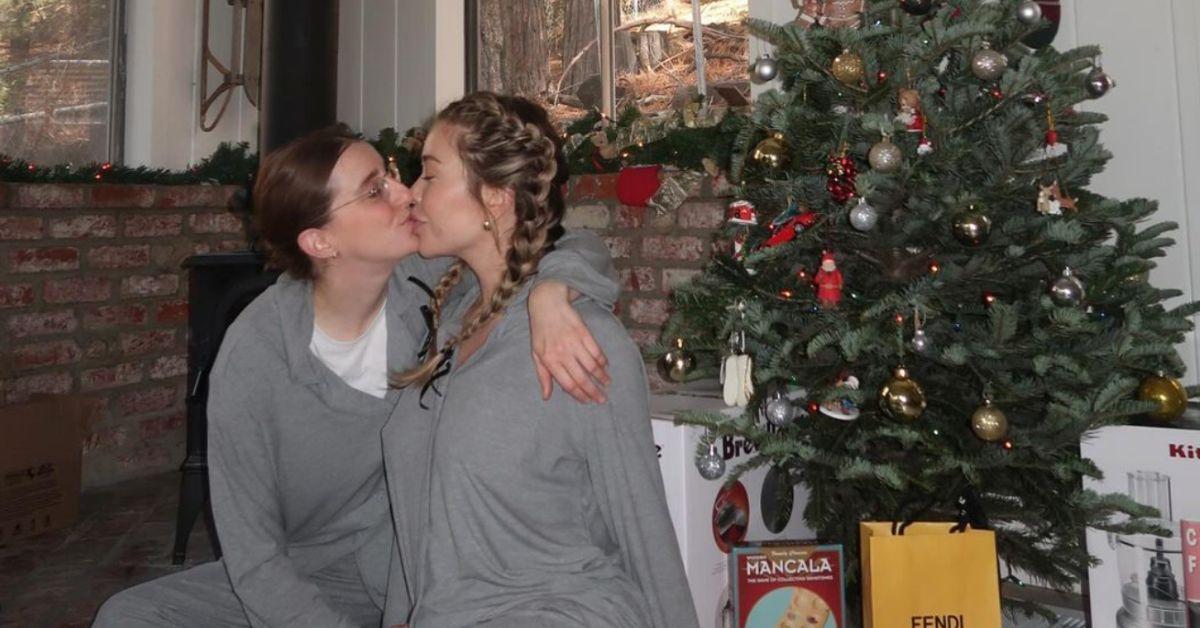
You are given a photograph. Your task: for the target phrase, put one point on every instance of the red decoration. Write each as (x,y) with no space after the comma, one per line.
(828,281)
(788,230)
(637,184)
(842,173)
(909,103)
(742,213)
(989,299)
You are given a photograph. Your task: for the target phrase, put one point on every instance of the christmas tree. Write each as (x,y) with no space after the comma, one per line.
(928,300)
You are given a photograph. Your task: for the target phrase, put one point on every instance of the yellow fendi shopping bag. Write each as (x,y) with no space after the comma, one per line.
(923,575)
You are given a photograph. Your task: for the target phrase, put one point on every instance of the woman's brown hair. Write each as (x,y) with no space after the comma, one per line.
(504,142)
(292,194)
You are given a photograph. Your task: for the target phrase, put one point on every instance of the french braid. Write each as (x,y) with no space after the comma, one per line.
(505,142)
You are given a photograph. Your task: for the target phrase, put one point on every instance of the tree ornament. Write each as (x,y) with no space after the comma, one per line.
(921,342)
(842,408)
(771,152)
(924,147)
(1051,200)
(1029,12)
(830,13)
(1067,290)
(828,281)
(741,213)
(972,227)
(1051,12)
(1168,393)
(764,69)
(989,422)
(988,64)
(711,465)
(917,7)
(1099,82)
(885,156)
(778,408)
(842,172)
(908,103)
(847,67)
(1051,148)
(676,364)
(862,216)
(902,398)
(737,374)
(789,223)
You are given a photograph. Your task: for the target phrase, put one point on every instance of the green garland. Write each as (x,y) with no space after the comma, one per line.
(234,164)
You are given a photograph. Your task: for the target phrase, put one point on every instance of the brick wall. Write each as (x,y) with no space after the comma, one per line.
(93,300)
(653,252)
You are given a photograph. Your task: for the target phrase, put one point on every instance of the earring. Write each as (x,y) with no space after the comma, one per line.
(334,256)
(487,225)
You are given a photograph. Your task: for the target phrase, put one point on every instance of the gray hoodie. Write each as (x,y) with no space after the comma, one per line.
(294,459)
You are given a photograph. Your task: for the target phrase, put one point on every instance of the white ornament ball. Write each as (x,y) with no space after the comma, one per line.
(988,64)
(920,341)
(711,465)
(863,216)
(765,69)
(885,156)
(1029,12)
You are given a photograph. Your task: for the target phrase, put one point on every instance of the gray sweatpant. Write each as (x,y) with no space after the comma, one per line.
(202,597)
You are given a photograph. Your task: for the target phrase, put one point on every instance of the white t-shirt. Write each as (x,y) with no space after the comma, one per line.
(362,362)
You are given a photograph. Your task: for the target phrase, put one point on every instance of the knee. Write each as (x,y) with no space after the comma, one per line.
(124,609)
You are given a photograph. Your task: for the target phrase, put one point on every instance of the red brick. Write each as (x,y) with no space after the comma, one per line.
(153,225)
(22,388)
(123,256)
(21,228)
(86,226)
(629,217)
(110,376)
(172,311)
(168,366)
(639,279)
(149,285)
(619,247)
(592,187)
(16,295)
(192,196)
(122,196)
(586,216)
(214,222)
(95,350)
(46,354)
(155,428)
(649,311)
(145,400)
(702,215)
(77,290)
(43,260)
(106,316)
(48,195)
(675,277)
(42,323)
(685,248)
(136,343)
(644,337)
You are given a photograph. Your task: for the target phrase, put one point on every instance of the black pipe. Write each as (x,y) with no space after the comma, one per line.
(299,70)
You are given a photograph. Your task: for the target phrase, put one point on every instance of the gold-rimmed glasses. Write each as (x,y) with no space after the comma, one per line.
(378,188)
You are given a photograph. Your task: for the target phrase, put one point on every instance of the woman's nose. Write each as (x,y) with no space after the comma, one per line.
(401,195)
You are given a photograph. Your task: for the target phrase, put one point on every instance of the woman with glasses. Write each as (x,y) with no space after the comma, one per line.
(299,394)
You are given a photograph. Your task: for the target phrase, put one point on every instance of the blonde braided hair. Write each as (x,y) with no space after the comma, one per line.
(504,142)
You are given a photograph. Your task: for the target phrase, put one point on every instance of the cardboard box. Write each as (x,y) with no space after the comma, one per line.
(40,459)
(710,517)
(1147,580)
(782,584)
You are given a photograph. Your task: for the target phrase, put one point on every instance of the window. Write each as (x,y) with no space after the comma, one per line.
(549,50)
(60,67)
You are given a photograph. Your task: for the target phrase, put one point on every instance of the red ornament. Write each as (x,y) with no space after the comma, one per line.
(989,299)
(828,281)
(842,172)
(814,407)
(637,184)
(788,230)
(934,268)
(881,76)
(996,93)
(742,213)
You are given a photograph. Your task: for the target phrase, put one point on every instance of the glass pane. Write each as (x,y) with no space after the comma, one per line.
(542,49)
(654,55)
(55,79)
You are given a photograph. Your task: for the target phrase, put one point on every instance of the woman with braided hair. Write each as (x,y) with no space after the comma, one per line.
(513,512)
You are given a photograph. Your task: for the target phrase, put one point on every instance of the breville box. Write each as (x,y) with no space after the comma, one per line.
(40,450)
(710,516)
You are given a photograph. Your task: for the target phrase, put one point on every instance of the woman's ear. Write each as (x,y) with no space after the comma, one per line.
(316,244)
(498,201)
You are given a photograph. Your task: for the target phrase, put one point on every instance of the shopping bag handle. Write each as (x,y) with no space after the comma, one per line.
(970,512)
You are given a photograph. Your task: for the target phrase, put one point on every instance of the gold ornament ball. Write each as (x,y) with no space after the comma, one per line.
(1168,393)
(989,423)
(771,152)
(901,397)
(847,68)
(676,364)
(972,227)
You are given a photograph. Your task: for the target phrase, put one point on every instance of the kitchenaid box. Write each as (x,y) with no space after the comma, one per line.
(711,516)
(1145,580)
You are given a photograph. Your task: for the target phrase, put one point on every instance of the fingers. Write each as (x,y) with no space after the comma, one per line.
(595,361)
(543,376)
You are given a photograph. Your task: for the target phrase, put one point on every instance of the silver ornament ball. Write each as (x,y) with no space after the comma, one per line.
(1029,12)
(765,69)
(1067,290)
(885,156)
(988,64)
(920,341)
(862,216)
(779,410)
(1099,82)
(711,465)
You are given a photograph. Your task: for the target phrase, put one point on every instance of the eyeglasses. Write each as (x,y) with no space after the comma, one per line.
(378,188)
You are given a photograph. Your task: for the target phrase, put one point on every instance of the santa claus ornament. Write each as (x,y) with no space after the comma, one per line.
(828,282)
